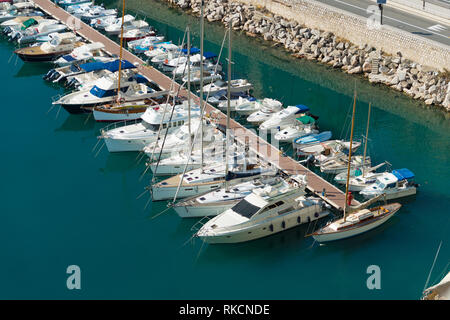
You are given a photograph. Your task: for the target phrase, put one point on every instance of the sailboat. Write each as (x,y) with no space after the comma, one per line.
(356,220)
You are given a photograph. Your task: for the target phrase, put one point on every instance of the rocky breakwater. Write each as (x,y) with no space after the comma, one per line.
(415,80)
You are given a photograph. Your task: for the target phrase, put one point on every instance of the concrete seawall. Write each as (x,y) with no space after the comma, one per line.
(355,29)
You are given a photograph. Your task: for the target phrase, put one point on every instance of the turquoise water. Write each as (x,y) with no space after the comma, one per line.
(61,205)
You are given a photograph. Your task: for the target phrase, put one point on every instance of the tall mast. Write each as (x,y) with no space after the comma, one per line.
(349,157)
(365,146)
(189,81)
(120,53)
(227,145)
(201,80)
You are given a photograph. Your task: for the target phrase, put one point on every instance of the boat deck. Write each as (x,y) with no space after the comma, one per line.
(334,196)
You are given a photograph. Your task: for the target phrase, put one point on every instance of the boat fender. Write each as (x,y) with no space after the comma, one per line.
(271,227)
(309,219)
(316,214)
(283,224)
(299,219)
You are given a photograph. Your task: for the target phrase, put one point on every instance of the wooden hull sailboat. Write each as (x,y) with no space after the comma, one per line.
(356,224)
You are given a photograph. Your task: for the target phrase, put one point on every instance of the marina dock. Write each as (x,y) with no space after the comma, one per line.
(269,153)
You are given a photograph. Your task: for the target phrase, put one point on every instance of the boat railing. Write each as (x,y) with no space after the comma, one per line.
(199,224)
(119,124)
(57,97)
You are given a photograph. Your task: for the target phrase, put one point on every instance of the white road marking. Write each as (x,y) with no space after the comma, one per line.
(384,16)
(437,27)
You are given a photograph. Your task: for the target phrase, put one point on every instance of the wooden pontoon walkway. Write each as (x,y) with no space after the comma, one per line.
(264,150)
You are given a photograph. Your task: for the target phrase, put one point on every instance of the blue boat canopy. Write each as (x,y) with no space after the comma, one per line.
(402,174)
(194,50)
(68,58)
(112,66)
(209,55)
(302,108)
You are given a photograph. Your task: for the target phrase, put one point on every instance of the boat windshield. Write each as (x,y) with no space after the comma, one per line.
(149,126)
(245,208)
(380,185)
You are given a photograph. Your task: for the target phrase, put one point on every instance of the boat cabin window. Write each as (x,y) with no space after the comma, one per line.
(285,210)
(391,185)
(245,208)
(381,185)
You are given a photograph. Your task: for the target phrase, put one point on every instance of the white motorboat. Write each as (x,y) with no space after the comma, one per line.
(359,177)
(60,44)
(302,126)
(394,185)
(339,163)
(267,108)
(103,22)
(69,3)
(114,28)
(144,44)
(84,53)
(326,147)
(208,76)
(69,72)
(20,23)
(217,201)
(176,163)
(209,64)
(237,85)
(19,9)
(98,12)
(206,179)
(264,212)
(42,29)
(284,118)
(162,51)
(234,103)
(180,140)
(134,137)
(138,33)
(133,87)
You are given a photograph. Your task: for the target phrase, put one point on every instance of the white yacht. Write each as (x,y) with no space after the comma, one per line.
(88,51)
(103,22)
(302,126)
(234,103)
(176,163)
(134,137)
(206,179)
(179,140)
(217,201)
(266,110)
(237,85)
(394,185)
(133,87)
(208,76)
(264,212)
(144,44)
(162,51)
(284,118)
(209,65)
(97,12)
(42,29)
(359,177)
(326,148)
(339,163)
(115,28)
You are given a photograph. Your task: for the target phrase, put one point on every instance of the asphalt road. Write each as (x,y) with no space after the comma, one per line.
(406,21)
